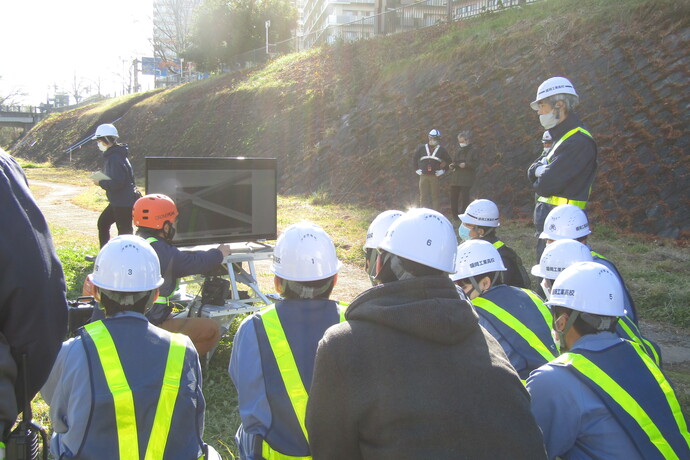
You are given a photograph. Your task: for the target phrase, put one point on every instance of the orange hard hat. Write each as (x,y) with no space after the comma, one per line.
(152,211)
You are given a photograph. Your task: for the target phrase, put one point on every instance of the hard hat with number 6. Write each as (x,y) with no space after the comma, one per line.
(424,236)
(154,210)
(476,257)
(560,255)
(379,226)
(565,221)
(127,263)
(551,87)
(305,252)
(105,130)
(588,287)
(481,212)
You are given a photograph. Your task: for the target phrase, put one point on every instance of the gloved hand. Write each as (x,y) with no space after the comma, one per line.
(419,172)
(540,170)
(452,166)
(439,172)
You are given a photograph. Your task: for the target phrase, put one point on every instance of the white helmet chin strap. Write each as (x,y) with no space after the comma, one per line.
(304,292)
(128,299)
(399,270)
(475,284)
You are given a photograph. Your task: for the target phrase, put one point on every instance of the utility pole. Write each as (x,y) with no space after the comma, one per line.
(267,24)
(135,69)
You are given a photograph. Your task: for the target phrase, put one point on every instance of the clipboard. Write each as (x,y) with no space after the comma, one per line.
(98,176)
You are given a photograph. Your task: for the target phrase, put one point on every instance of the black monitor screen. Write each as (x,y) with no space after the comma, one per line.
(220,200)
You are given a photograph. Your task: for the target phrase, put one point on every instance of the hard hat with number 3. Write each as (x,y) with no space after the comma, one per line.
(424,236)
(127,263)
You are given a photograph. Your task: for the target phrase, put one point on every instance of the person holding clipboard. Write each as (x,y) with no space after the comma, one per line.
(117,179)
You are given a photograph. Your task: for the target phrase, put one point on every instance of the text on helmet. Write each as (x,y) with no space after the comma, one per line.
(167,214)
(565,292)
(479,263)
(553,88)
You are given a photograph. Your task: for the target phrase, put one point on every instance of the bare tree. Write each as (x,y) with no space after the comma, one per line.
(12,97)
(172,20)
(79,89)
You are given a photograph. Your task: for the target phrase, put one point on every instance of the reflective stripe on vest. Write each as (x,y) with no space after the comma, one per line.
(596,254)
(543,309)
(634,335)
(499,244)
(515,324)
(627,403)
(127,433)
(287,366)
(557,200)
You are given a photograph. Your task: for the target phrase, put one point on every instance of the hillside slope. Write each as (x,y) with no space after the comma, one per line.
(344,120)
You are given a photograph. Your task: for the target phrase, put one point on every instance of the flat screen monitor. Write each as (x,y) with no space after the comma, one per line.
(220,200)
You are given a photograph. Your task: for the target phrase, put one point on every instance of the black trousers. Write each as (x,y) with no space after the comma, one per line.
(121,216)
(463,193)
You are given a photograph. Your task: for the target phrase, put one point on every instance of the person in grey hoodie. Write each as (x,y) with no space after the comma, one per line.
(411,374)
(119,187)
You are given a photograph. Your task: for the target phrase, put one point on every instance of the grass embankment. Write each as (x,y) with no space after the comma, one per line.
(656,272)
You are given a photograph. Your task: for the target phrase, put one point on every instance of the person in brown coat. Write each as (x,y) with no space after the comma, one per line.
(462,170)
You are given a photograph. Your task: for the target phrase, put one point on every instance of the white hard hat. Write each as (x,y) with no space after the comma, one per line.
(546,137)
(565,221)
(435,133)
(551,87)
(379,226)
(105,130)
(558,256)
(127,263)
(304,252)
(588,287)
(424,236)
(476,257)
(481,212)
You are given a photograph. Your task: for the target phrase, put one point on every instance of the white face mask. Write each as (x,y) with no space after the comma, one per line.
(102,147)
(462,144)
(548,120)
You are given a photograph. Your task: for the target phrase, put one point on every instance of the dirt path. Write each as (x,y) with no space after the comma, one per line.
(59,211)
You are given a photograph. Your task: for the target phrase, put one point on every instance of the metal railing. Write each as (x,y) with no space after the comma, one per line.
(418,15)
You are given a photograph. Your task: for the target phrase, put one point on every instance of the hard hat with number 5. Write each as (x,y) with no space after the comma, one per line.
(588,287)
